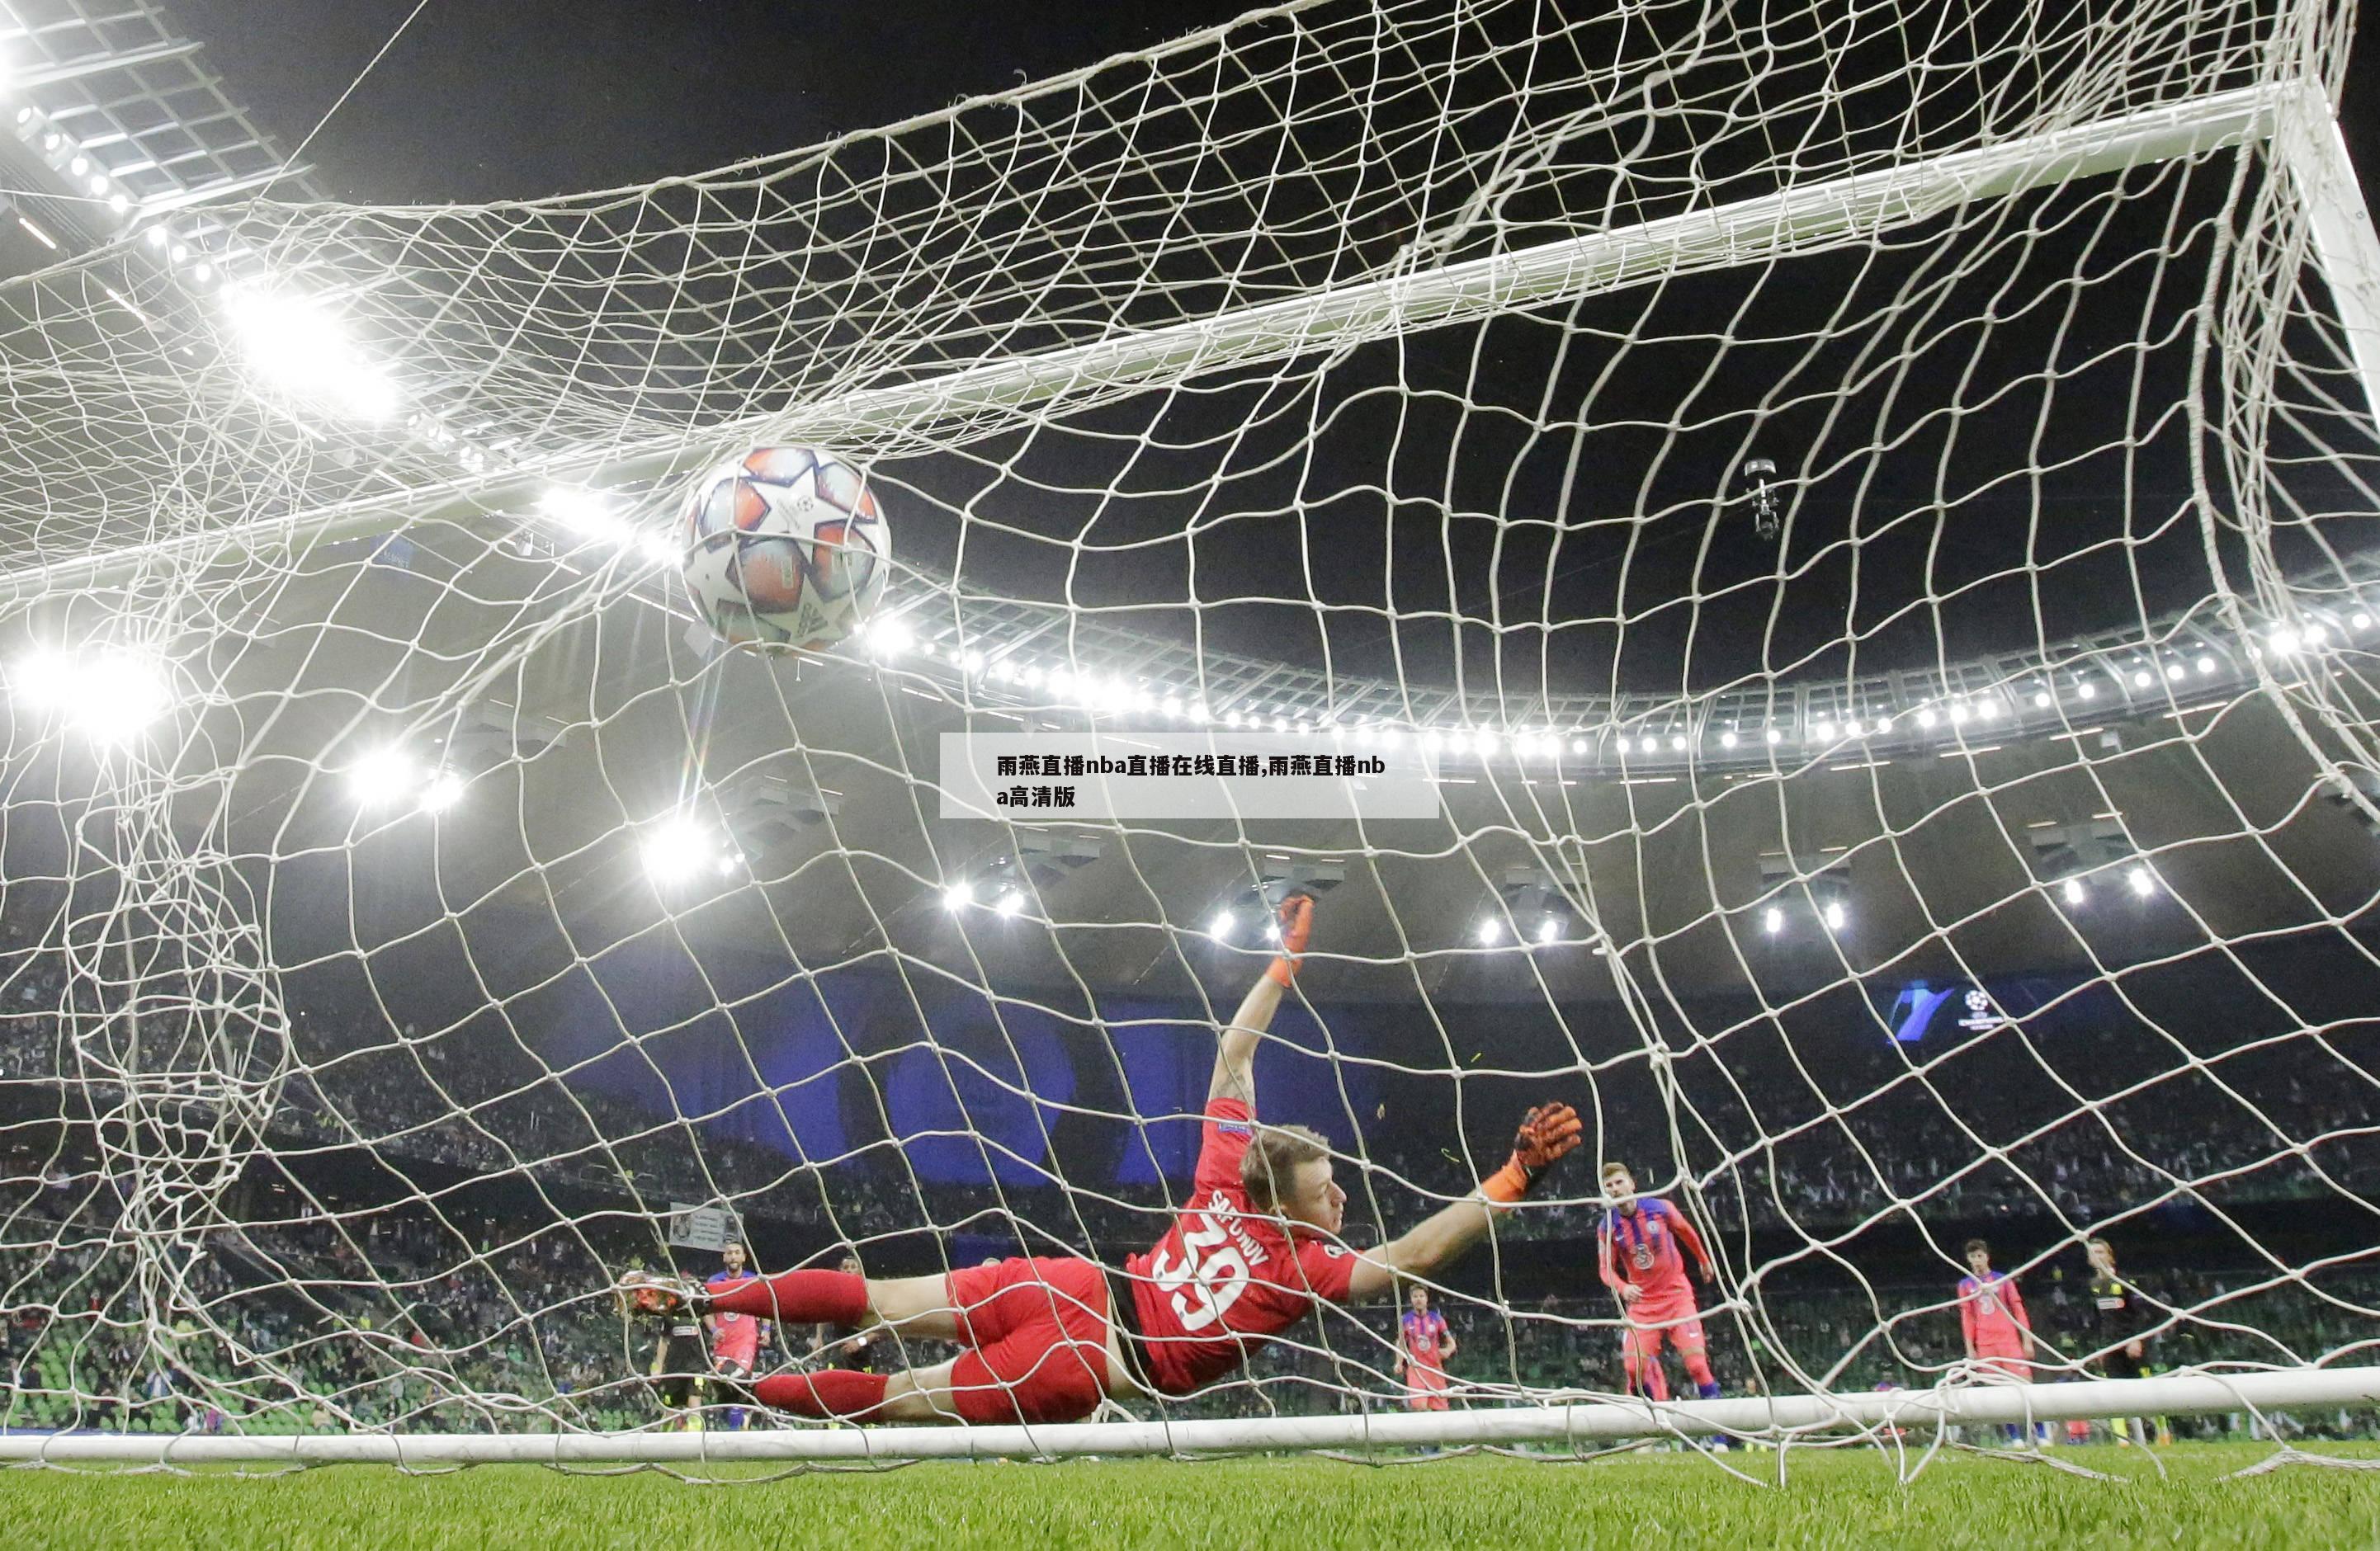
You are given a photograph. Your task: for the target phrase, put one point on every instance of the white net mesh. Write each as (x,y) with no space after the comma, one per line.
(1860,504)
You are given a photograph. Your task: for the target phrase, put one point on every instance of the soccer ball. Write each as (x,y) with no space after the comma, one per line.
(784,546)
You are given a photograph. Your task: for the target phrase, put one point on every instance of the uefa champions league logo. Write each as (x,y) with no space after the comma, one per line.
(1982,1016)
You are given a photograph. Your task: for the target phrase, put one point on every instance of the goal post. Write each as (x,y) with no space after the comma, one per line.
(1915,1417)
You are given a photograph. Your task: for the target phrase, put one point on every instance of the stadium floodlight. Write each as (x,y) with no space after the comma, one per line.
(1221,927)
(958,896)
(2041,699)
(1772,920)
(2361,620)
(108,695)
(2283,642)
(2141,882)
(1009,903)
(674,848)
(2086,690)
(1925,717)
(1549,929)
(301,349)
(1491,932)
(1823,731)
(890,636)
(2075,894)
(658,549)
(42,680)
(585,513)
(1774,736)
(1726,740)
(444,790)
(1834,915)
(382,776)
(2205,667)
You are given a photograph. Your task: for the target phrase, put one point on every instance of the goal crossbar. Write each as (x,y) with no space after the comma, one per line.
(1784,1418)
(1797,219)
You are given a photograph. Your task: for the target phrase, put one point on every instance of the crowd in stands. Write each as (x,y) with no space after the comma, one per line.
(418,1313)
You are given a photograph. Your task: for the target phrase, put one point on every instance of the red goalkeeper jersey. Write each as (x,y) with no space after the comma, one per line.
(1224,1279)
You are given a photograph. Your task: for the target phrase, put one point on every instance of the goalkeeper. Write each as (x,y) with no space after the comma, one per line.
(1255,1248)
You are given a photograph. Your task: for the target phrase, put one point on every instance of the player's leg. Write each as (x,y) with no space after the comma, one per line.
(1694,1354)
(1039,1334)
(844,1394)
(912,1305)
(1642,1358)
(733,1379)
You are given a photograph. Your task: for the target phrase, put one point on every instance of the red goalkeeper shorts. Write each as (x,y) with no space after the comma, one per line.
(1038,1334)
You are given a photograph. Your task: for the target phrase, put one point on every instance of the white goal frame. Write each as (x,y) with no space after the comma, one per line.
(1916,1415)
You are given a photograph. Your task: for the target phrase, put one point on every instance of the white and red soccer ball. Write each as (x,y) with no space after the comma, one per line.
(784,546)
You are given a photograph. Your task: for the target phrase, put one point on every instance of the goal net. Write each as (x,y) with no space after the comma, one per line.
(1860,511)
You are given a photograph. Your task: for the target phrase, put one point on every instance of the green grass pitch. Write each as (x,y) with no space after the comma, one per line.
(1662,1501)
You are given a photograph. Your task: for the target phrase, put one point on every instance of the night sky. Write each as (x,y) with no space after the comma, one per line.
(519,99)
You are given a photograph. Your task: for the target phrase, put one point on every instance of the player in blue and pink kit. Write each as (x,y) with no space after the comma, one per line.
(1424,1343)
(1992,1321)
(1637,1254)
(1992,1317)
(735,1338)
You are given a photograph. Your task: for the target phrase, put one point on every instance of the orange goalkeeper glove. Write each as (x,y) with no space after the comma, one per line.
(1547,1133)
(1297,926)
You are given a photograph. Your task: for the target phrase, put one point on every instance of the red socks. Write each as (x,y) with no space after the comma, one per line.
(798,1298)
(830,1392)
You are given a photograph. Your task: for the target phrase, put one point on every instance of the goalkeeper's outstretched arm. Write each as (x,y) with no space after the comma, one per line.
(1545,1136)
(1236,1052)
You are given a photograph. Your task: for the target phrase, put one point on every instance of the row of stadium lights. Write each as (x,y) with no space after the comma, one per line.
(1225,924)
(77,163)
(1094,694)
(111,696)
(1834,914)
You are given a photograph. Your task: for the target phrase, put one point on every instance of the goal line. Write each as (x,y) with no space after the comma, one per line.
(1779,1419)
